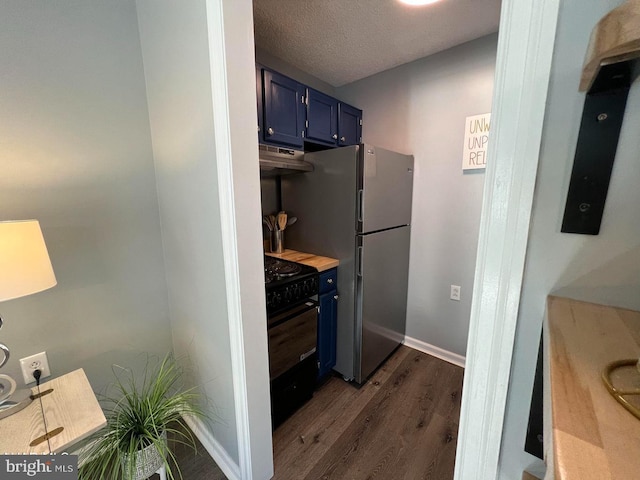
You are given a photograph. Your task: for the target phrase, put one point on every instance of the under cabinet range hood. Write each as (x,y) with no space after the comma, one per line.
(281,161)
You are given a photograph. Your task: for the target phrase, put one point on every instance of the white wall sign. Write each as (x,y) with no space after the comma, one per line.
(476,140)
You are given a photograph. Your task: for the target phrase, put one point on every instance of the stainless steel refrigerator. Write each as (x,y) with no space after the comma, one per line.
(356,206)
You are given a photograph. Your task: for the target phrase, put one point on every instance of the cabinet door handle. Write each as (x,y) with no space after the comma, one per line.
(335,136)
(335,297)
(343,139)
(330,281)
(270,131)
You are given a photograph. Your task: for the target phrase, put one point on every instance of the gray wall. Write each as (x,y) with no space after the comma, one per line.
(602,269)
(420,108)
(268,201)
(75,152)
(265,59)
(174,41)
(268,195)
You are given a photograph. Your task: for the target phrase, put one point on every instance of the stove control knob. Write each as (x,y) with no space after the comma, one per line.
(310,287)
(288,294)
(276,300)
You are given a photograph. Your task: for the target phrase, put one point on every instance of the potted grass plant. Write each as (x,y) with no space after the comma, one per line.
(140,414)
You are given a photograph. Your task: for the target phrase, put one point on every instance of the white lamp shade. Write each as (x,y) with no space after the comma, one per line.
(25,267)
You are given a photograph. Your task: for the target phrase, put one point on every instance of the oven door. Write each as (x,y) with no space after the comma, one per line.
(292,337)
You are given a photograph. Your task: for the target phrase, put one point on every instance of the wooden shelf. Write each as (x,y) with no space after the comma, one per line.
(615,39)
(594,437)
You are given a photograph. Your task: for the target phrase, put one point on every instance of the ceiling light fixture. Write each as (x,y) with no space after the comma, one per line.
(418,3)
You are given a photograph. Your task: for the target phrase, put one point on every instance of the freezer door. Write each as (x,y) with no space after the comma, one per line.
(381,297)
(385,189)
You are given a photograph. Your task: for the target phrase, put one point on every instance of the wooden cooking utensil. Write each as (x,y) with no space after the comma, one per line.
(282,220)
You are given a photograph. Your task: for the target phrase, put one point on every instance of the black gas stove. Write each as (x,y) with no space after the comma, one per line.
(288,284)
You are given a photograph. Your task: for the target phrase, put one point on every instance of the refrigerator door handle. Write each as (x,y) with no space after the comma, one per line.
(360,205)
(359,264)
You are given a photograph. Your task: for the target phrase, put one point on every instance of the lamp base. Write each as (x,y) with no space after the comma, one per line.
(626,389)
(16,402)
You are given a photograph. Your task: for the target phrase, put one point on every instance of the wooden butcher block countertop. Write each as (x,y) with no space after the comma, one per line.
(316,261)
(594,437)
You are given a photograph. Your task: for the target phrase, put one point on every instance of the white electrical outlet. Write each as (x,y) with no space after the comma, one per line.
(35,362)
(455,293)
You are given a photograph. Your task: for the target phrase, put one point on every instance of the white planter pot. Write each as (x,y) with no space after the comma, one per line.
(148,461)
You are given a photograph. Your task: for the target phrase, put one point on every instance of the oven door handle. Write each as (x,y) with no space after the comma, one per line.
(308,354)
(285,316)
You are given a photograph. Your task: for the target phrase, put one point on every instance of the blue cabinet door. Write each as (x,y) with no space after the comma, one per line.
(284,110)
(327,322)
(349,125)
(259,94)
(322,118)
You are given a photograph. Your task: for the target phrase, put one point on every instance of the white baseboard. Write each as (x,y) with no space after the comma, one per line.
(230,468)
(434,351)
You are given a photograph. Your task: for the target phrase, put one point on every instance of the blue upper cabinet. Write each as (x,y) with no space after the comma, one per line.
(259,97)
(284,110)
(349,125)
(291,114)
(322,118)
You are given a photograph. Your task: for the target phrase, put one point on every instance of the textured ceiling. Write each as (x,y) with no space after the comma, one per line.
(341,41)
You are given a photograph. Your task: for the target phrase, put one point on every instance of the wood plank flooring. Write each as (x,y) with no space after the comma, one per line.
(402,424)
(196,465)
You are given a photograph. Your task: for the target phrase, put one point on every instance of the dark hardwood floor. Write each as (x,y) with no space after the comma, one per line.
(196,465)
(402,424)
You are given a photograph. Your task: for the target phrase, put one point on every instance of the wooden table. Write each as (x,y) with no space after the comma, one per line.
(594,437)
(71,405)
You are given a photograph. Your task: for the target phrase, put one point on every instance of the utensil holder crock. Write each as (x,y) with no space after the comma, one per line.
(277,241)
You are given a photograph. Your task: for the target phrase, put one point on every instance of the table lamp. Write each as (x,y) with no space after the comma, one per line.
(25,268)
